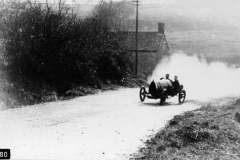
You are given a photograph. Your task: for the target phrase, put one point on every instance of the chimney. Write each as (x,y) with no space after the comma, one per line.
(161,28)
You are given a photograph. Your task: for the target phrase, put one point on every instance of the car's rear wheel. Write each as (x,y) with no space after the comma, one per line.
(142,94)
(181,96)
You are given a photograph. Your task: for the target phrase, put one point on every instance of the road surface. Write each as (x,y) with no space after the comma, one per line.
(108,125)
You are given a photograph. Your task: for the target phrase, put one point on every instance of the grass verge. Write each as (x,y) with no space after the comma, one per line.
(210,132)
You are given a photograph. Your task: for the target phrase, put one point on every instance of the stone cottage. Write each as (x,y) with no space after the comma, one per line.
(152,46)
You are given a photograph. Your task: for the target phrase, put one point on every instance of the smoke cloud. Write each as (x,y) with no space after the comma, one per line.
(201,80)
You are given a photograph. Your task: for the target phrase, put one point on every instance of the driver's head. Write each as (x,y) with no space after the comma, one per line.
(167,76)
(175,78)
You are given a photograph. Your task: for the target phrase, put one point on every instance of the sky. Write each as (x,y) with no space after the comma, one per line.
(225,11)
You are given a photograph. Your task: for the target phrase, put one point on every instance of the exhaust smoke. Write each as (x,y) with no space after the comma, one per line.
(201,80)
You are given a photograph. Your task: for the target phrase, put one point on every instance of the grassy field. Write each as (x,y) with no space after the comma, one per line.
(210,132)
(214,45)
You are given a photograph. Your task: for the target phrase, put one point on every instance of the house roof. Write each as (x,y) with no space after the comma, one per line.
(147,41)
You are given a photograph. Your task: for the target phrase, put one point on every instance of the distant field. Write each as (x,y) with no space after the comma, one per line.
(213,44)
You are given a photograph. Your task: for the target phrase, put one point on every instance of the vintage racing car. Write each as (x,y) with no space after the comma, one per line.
(162,90)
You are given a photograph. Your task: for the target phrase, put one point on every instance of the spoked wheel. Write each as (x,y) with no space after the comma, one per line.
(181,96)
(142,93)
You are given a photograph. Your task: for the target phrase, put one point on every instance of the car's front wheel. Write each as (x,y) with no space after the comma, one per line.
(142,94)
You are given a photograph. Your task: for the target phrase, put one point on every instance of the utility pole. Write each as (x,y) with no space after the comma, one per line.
(136,63)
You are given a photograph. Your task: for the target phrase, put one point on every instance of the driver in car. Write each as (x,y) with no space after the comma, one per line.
(167,77)
(169,86)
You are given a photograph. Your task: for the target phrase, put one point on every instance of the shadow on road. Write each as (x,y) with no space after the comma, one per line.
(156,104)
(189,101)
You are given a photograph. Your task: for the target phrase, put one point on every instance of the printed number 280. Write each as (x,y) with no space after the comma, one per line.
(4,153)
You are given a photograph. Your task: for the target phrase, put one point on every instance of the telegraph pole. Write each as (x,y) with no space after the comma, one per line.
(136,63)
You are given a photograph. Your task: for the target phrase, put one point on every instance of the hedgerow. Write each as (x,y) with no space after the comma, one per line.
(56,47)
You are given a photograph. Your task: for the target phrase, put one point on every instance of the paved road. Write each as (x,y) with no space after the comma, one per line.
(109,125)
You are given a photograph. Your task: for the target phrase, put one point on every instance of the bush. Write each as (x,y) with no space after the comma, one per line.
(56,47)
